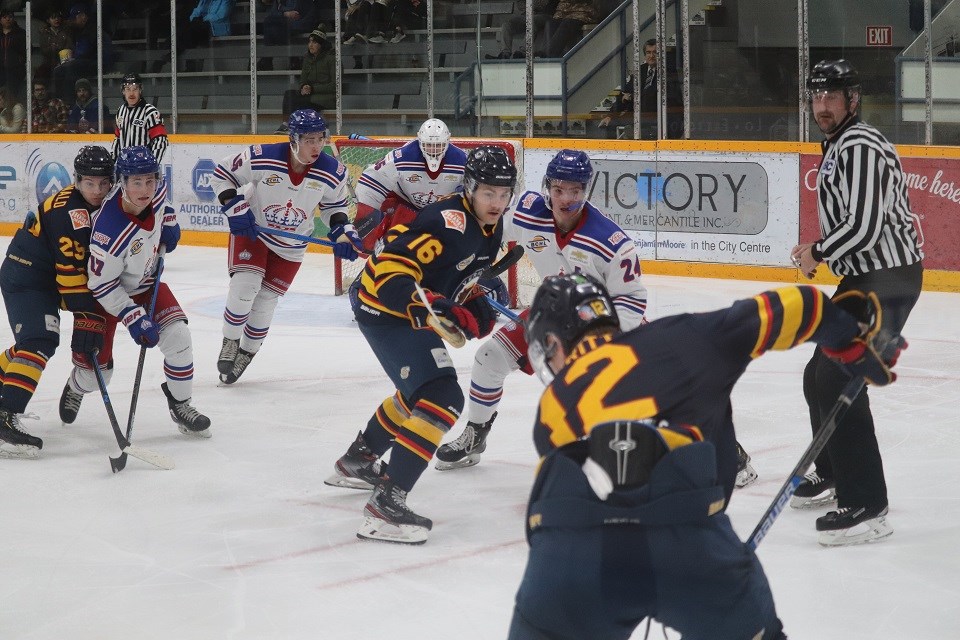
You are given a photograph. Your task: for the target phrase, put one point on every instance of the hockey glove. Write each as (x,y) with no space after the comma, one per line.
(484,313)
(456,315)
(142,329)
(87,332)
(348,244)
(874,352)
(170,236)
(240,218)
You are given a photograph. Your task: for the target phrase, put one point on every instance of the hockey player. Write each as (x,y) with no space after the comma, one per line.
(125,241)
(423,266)
(275,186)
(626,518)
(138,122)
(562,233)
(407,179)
(46,270)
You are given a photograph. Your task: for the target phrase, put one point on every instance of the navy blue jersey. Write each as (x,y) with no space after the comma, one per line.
(441,249)
(55,245)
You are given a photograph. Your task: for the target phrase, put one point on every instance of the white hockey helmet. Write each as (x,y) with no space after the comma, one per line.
(434,138)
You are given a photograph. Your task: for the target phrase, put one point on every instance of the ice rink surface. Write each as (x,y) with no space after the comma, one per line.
(243,539)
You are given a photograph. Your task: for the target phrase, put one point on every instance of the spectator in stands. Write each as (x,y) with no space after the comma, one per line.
(54,38)
(408,14)
(515,27)
(13,117)
(368,21)
(83,64)
(565,28)
(286,17)
(13,54)
(216,13)
(318,79)
(83,115)
(619,123)
(49,112)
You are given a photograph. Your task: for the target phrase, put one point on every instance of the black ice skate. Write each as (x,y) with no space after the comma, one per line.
(14,441)
(190,421)
(228,353)
(465,451)
(853,525)
(240,364)
(814,492)
(358,468)
(388,518)
(745,473)
(69,404)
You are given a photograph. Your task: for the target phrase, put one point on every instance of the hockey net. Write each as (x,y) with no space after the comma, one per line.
(357,155)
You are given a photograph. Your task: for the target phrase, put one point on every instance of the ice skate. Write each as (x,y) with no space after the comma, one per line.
(69,404)
(388,518)
(14,441)
(240,364)
(358,468)
(465,451)
(814,492)
(745,472)
(848,525)
(228,353)
(190,421)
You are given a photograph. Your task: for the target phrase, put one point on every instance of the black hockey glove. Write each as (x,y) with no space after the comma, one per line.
(484,313)
(87,332)
(874,352)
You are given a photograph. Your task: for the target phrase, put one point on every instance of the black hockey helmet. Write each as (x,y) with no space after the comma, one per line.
(828,75)
(131,78)
(93,161)
(567,307)
(490,165)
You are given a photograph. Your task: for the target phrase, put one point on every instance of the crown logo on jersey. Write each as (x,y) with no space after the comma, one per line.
(280,216)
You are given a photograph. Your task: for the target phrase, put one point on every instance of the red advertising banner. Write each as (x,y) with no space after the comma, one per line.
(934,189)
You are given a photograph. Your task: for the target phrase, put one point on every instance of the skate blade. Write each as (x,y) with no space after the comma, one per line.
(19,452)
(204,434)
(383,531)
(343,482)
(469,461)
(746,476)
(869,531)
(827,499)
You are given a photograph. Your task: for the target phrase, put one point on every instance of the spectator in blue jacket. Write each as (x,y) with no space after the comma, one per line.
(216,13)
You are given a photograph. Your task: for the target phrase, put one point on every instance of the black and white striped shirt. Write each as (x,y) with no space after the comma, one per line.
(865,218)
(140,124)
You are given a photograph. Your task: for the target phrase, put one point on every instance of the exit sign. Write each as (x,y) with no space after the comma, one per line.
(880,36)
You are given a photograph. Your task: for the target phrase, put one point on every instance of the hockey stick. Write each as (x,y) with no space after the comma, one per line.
(118,463)
(150,457)
(847,396)
(468,289)
(302,238)
(444,328)
(503,309)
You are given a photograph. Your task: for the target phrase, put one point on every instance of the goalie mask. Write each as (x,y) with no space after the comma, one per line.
(434,138)
(564,309)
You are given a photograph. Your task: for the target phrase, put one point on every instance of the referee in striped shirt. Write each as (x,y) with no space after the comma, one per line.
(138,122)
(868,239)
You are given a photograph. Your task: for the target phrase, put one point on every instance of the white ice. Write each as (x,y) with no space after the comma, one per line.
(243,539)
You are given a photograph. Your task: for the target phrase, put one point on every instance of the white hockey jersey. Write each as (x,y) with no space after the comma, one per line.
(597,246)
(261,173)
(404,172)
(123,250)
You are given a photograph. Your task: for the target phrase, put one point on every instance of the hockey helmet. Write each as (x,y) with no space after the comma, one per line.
(567,166)
(136,161)
(565,307)
(93,161)
(304,121)
(434,138)
(489,165)
(131,79)
(828,75)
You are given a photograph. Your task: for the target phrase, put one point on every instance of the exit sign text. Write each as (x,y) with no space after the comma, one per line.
(880,36)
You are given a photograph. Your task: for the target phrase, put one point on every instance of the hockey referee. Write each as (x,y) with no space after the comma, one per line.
(868,239)
(138,122)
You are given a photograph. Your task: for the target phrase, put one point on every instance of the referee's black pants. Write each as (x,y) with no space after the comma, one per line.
(852,455)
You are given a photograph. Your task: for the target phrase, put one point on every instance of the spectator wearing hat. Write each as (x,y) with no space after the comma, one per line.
(138,122)
(318,78)
(56,43)
(83,63)
(49,113)
(83,115)
(13,54)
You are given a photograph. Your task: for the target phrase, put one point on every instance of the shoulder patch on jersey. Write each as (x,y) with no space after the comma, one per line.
(828,167)
(256,150)
(138,122)
(454,219)
(463,264)
(528,200)
(101,238)
(537,244)
(79,218)
(617,238)
(398,153)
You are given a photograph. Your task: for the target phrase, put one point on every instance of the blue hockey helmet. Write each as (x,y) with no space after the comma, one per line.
(568,166)
(305,121)
(136,161)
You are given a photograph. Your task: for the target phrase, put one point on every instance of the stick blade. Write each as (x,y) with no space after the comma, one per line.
(150,457)
(117,464)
